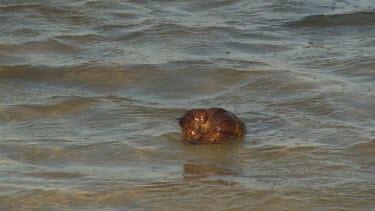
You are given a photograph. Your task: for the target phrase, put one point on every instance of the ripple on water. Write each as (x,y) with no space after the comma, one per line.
(35,154)
(181,79)
(144,80)
(351,19)
(14,113)
(362,154)
(81,40)
(54,199)
(257,48)
(50,46)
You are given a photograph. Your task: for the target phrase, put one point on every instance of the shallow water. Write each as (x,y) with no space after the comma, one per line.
(90,92)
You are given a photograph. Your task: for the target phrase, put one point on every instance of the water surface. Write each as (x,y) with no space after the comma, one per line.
(90,91)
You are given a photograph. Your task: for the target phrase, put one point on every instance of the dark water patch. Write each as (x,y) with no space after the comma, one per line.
(344,74)
(125,15)
(21,92)
(55,175)
(101,160)
(46,13)
(240,198)
(122,155)
(363,154)
(193,83)
(134,122)
(25,8)
(14,113)
(202,172)
(119,119)
(357,111)
(27,72)
(368,43)
(77,199)
(187,78)
(46,50)
(248,34)
(357,66)
(350,19)
(81,40)
(45,47)
(111,28)
(243,65)
(199,6)
(130,36)
(257,48)
(307,162)
(37,141)
(278,83)
(309,104)
(264,125)
(97,4)
(8,58)
(23,32)
(169,30)
(34,154)
(190,7)
(279,153)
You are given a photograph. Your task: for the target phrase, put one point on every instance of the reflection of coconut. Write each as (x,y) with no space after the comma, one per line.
(210,126)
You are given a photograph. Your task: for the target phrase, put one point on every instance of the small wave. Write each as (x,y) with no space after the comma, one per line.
(25,8)
(185,7)
(32,111)
(78,40)
(130,36)
(257,48)
(55,175)
(199,171)
(47,46)
(169,30)
(98,4)
(200,6)
(30,153)
(32,50)
(351,19)
(361,153)
(61,199)
(48,13)
(180,79)
(27,72)
(363,148)
(363,65)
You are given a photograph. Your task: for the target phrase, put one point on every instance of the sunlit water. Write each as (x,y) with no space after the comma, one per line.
(90,92)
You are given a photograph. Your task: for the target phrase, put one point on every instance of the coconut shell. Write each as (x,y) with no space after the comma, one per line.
(210,126)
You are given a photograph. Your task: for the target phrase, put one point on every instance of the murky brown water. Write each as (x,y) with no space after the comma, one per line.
(90,92)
